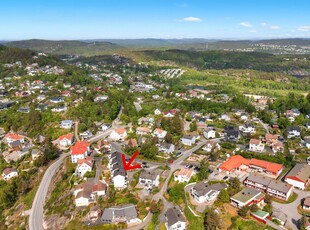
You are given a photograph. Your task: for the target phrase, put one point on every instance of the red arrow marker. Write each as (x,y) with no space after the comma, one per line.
(128,166)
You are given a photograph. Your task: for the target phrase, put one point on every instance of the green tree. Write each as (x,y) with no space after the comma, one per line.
(211,220)
(193,126)
(223,197)
(243,212)
(268,208)
(254,208)
(204,170)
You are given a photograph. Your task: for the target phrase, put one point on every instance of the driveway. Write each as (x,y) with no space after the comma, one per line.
(291,209)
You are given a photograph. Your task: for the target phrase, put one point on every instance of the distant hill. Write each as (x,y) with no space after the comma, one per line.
(73,47)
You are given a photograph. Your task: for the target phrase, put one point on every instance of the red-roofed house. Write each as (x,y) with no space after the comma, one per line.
(79,151)
(184,175)
(159,133)
(119,134)
(256,145)
(170,113)
(143,131)
(66,140)
(84,165)
(239,163)
(9,173)
(11,137)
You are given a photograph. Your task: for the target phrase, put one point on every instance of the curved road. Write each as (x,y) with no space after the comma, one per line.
(36,212)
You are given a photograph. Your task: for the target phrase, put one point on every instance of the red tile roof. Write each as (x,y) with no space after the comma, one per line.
(120,130)
(80,147)
(68,136)
(236,161)
(255,141)
(13,136)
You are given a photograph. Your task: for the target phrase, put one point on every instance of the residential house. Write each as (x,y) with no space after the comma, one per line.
(293,131)
(84,165)
(247,197)
(175,219)
(188,140)
(256,145)
(308,125)
(66,140)
(159,133)
(278,147)
(66,124)
(299,176)
(292,114)
(79,150)
(123,213)
(86,135)
(244,116)
(9,173)
(59,109)
(224,117)
(167,148)
(143,131)
(11,137)
(35,154)
(65,93)
(57,100)
(87,192)
(149,178)
(248,128)
(271,139)
(239,163)
(170,113)
(101,98)
(24,109)
(209,133)
(306,203)
(118,173)
(270,186)
(211,145)
(203,192)
(183,175)
(157,112)
(119,134)
(231,133)
(104,127)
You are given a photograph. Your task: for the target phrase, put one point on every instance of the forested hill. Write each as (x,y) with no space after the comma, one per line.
(233,60)
(67,47)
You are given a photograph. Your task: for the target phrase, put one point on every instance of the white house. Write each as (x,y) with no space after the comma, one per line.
(299,176)
(202,192)
(293,131)
(166,148)
(159,133)
(59,109)
(175,219)
(66,124)
(183,175)
(79,151)
(247,128)
(211,145)
(157,112)
(118,173)
(119,134)
(9,173)
(149,178)
(143,131)
(11,137)
(84,165)
(66,140)
(256,145)
(188,140)
(209,133)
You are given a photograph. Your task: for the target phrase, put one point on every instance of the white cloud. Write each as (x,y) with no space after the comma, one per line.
(304,28)
(272,27)
(191,19)
(245,24)
(253,31)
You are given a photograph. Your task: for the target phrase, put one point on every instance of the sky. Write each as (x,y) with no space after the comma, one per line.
(128,19)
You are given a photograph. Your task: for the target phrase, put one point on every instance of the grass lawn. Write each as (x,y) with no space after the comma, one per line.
(248,225)
(195,223)
(302,211)
(292,198)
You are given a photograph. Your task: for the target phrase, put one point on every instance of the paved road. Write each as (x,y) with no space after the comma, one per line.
(138,106)
(36,212)
(76,130)
(291,209)
(266,127)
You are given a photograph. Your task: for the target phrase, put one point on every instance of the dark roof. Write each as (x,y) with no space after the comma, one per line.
(173,216)
(203,188)
(291,128)
(149,175)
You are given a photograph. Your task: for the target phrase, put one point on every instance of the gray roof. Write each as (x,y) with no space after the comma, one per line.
(127,212)
(279,215)
(301,171)
(149,175)
(173,216)
(203,188)
(246,194)
(270,183)
(188,137)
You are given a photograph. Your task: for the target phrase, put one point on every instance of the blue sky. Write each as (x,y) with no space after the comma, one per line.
(94,19)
